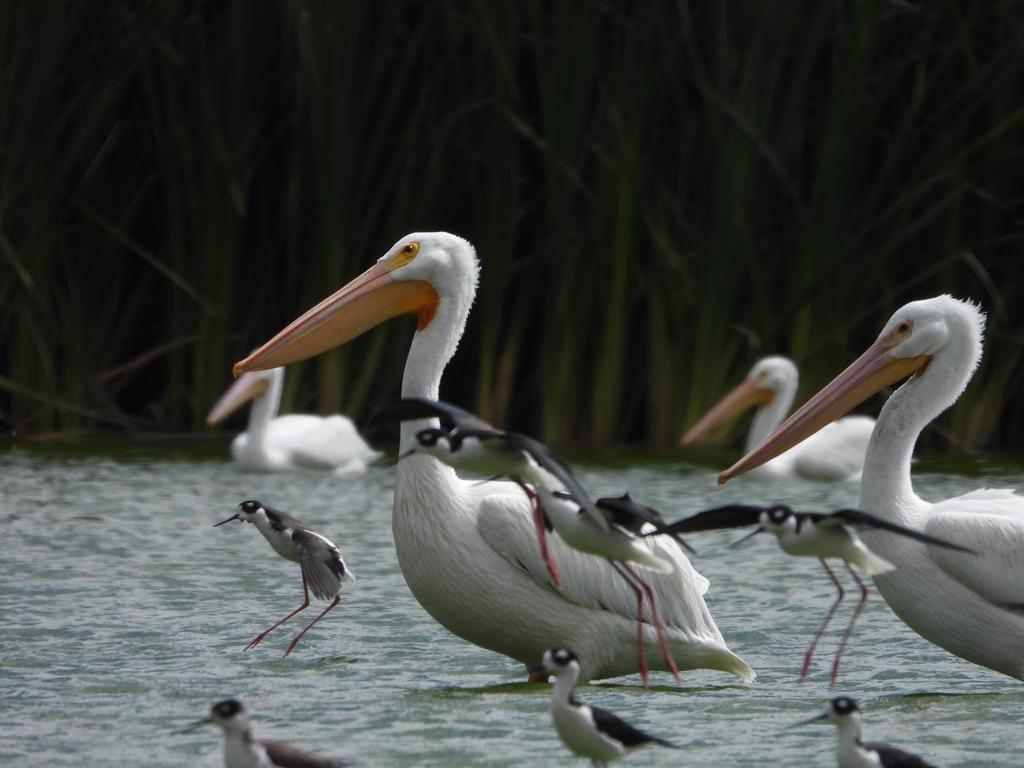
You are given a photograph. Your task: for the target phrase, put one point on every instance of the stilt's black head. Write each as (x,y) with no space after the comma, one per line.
(843,705)
(428,438)
(226,709)
(778,513)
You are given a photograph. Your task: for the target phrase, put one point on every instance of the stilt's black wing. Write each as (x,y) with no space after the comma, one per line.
(624,733)
(891,757)
(550,461)
(859,519)
(287,756)
(452,417)
(632,516)
(728,516)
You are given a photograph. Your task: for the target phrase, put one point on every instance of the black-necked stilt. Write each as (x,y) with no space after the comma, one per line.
(814,534)
(854,753)
(586,730)
(241,750)
(465,441)
(323,568)
(621,545)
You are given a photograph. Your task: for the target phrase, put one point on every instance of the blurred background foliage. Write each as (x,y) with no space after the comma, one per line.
(659,192)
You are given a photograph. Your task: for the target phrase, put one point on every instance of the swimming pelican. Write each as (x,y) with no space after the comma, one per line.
(468,551)
(971,606)
(294,441)
(835,453)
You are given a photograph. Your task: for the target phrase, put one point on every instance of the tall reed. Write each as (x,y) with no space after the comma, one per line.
(659,194)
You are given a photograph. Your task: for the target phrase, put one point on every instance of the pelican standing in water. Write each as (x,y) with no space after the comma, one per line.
(468,552)
(294,441)
(971,606)
(835,453)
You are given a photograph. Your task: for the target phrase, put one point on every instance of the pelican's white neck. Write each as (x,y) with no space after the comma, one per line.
(265,407)
(432,347)
(885,483)
(770,415)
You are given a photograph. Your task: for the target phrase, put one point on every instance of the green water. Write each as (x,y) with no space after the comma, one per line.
(125,615)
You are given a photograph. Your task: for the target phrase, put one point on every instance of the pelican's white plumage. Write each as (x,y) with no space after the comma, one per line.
(834,453)
(273,443)
(973,606)
(469,552)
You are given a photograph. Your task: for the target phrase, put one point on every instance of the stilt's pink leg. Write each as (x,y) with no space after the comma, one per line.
(337,599)
(305,604)
(853,620)
(666,653)
(538,522)
(641,655)
(828,617)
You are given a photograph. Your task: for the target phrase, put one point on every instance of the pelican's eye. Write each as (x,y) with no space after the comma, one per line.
(902,331)
(404,255)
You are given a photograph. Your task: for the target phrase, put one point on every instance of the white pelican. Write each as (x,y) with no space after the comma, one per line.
(294,441)
(973,606)
(835,453)
(468,552)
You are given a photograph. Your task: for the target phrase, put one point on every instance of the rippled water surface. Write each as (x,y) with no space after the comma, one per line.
(125,615)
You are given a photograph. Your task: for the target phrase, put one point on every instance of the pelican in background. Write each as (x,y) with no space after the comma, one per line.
(971,606)
(468,552)
(295,441)
(835,453)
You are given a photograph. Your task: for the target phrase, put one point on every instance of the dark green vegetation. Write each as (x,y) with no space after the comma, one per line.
(659,193)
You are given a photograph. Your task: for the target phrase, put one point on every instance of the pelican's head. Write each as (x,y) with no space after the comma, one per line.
(560,662)
(248,512)
(913,337)
(246,387)
(230,714)
(768,377)
(422,274)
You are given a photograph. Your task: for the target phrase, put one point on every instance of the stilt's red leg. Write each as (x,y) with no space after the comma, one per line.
(542,534)
(853,620)
(666,653)
(305,604)
(828,617)
(641,655)
(337,599)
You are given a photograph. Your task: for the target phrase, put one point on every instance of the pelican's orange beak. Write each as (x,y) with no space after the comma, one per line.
(244,389)
(366,302)
(867,375)
(746,395)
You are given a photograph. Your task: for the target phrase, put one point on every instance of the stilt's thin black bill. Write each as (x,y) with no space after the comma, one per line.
(752,534)
(197,724)
(233,517)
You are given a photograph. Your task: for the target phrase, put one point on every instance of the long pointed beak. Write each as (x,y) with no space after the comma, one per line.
(367,301)
(197,724)
(808,721)
(745,395)
(867,375)
(245,388)
(233,517)
(752,534)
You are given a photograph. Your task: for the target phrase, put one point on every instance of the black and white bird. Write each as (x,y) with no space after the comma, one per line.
(586,730)
(815,534)
(242,750)
(623,546)
(323,568)
(854,753)
(467,442)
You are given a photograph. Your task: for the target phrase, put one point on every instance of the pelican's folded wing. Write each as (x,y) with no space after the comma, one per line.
(505,524)
(837,451)
(991,522)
